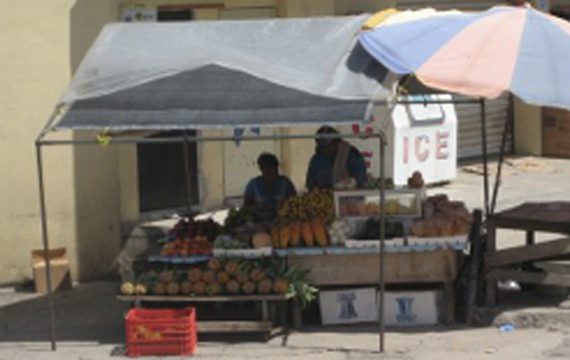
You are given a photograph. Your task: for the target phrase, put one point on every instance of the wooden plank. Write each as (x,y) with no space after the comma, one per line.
(530,277)
(233,326)
(363,269)
(169,298)
(521,254)
(530,224)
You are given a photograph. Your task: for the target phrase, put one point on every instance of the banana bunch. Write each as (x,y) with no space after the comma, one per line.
(317,203)
(293,209)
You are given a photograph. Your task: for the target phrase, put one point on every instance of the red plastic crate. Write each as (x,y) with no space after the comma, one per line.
(161,332)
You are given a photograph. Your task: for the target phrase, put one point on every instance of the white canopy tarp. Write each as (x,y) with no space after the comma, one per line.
(149,75)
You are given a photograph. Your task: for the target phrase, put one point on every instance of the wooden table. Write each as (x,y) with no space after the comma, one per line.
(265,325)
(437,266)
(551,217)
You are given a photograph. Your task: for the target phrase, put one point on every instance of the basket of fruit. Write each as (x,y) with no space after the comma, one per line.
(161,332)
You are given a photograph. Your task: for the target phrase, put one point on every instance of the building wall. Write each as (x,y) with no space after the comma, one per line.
(42,43)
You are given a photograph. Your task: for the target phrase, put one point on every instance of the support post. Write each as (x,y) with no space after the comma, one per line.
(185,149)
(45,241)
(474,267)
(485,157)
(506,130)
(382,284)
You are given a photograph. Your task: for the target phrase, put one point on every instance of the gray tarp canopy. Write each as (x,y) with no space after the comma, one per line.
(192,75)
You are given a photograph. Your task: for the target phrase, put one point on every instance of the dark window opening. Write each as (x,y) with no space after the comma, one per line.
(175,14)
(162,174)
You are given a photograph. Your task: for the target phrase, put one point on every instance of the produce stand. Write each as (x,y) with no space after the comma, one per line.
(147,105)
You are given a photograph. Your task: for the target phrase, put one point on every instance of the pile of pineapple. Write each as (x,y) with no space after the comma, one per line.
(216,277)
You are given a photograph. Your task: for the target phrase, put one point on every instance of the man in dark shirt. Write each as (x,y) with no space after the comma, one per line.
(265,193)
(335,160)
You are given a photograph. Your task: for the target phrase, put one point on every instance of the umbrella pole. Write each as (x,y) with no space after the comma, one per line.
(508,124)
(382,284)
(185,149)
(45,242)
(485,157)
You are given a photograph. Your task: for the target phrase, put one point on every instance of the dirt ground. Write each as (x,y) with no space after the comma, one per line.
(90,321)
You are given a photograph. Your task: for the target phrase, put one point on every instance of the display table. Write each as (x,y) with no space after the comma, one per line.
(551,217)
(265,325)
(430,266)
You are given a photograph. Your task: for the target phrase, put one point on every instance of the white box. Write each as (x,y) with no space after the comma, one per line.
(348,306)
(411,308)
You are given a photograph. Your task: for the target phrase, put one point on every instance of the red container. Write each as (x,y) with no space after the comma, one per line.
(161,332)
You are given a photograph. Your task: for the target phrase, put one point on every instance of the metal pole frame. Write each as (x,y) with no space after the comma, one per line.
(45,242)
(485,157)
(185,139)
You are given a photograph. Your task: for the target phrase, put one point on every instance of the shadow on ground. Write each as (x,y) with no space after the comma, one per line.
(87,313)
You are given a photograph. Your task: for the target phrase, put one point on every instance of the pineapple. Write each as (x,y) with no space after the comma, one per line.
(248,287)
(194,275)
(209,276)
(280,286)
(199,288)
(256,275)
(232,286)
(214,264)
(172,288)
(185,287)
(231,267)
(265,286)
(223,277)
(159,288)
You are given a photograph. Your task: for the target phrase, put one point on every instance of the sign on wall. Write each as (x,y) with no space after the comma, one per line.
(139,14)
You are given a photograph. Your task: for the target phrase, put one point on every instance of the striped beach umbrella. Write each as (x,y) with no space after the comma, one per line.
(482,54)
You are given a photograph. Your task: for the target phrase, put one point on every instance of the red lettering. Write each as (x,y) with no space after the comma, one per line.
(442,145)
(421,155)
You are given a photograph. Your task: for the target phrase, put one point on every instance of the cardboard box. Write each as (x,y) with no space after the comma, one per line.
(59,266)
(556,133)
(348,306)
(411,308)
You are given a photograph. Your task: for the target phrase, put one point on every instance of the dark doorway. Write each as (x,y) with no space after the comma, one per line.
(162,174)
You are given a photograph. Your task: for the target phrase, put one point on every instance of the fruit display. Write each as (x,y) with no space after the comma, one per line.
(297,234)
(339,231)
(366,203)
(442,217)
(222,276)
(371,230)
(225,241)
(191,237)
(317,203)
(239,217)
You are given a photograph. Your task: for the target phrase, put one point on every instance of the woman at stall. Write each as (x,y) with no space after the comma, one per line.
(266,192)
(334,161)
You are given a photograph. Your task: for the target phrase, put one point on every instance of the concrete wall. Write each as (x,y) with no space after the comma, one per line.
(42,43)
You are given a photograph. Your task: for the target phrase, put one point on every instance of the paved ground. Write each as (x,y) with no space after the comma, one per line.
(90,324)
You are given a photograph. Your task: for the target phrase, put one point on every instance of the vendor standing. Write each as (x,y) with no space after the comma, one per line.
(265,193)
(334,161)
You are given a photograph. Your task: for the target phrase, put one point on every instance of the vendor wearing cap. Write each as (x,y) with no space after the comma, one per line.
(334,161)
(265,193)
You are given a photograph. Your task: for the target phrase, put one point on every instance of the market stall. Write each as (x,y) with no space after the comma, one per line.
(161,84)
